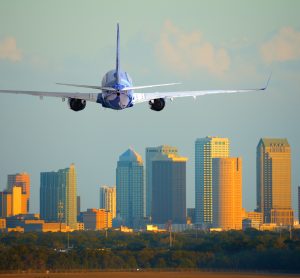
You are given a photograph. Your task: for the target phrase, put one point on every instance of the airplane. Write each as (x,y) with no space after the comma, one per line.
(117,91)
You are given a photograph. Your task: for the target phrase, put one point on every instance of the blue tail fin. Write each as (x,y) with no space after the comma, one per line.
(118,56)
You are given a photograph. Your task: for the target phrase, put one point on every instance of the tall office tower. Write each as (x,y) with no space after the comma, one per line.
(168,189)
(11,202)
(227,193)
(299,204)
(22,180)
(130,188)
(108,199)
(273,172)
(58,196)
(151,152)
(205,150)
(52,197)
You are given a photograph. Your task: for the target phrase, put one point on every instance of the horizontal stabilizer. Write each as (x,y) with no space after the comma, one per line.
(148,86)
(88,86)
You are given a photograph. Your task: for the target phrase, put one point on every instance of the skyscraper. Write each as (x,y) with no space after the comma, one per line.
(11,202)
(5,204)
(151,152)
(16,200)
(227,193)
(168,188)
(205,150)
(130,188)
(273,169)
(22,180)
(52,197)
(58,196)
(108,199)
(69,176)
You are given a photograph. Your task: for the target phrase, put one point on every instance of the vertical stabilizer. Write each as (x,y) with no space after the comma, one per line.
(118,56)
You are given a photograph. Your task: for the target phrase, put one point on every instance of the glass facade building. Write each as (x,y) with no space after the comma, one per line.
(58,196)
(130,188)
(169,189)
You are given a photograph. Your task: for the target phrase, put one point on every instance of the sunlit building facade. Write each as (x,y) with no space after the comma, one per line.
(227,193)
(108,198)
(274,181)
(11,202)
(168,189)
(205,150)
(97,219)
(130,189)
(22,180)
(151,152)
(252,219)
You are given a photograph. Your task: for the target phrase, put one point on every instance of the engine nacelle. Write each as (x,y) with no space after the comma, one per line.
(76,104)
(157,104)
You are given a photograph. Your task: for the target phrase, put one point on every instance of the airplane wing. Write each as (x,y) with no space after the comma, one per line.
(62,95)
(144,97)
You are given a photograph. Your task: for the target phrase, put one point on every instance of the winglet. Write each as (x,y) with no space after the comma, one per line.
(264,88)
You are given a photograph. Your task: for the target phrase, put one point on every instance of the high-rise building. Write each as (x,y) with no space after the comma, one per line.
(108,199)
(168,189)
(22,180)
(273,170)
(71,196)
(5,204)
(227,193)
(52,197)
(130,188)
(151,152)
(11,202)
(97,219)
(16,200)
(58,196)
(205,150)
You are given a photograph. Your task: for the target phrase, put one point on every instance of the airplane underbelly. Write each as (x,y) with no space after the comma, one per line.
(115,101)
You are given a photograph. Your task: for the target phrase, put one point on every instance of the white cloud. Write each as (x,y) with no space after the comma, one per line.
(186,52)
(284,46)
(9,50)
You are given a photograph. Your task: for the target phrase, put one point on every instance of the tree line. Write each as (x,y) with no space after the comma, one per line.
(232,250)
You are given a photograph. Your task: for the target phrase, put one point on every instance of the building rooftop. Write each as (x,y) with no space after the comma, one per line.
(131,155)
(274,141)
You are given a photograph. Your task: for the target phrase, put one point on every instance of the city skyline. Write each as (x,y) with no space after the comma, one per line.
(183,41)
(173,152)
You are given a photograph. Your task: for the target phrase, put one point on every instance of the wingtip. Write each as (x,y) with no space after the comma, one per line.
(268,81)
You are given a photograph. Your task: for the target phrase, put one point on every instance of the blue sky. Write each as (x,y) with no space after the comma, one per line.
(203,44)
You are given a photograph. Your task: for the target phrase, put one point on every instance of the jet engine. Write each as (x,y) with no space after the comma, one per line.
(76,104)
(157,104)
